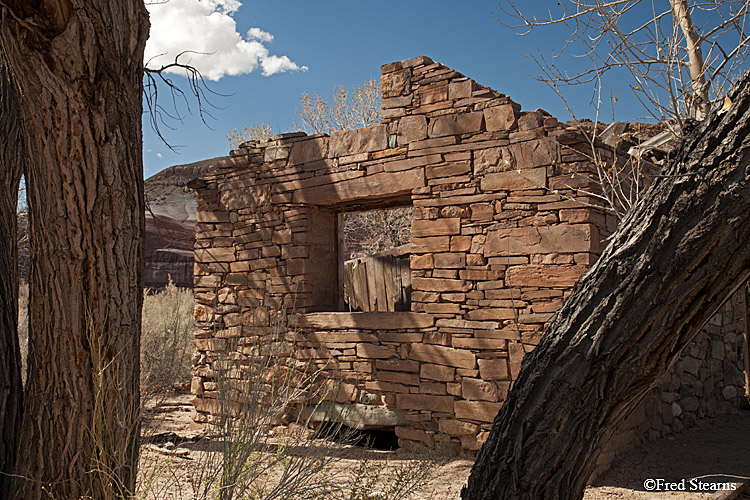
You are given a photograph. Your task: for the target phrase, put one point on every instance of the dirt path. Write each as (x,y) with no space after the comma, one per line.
(716,451)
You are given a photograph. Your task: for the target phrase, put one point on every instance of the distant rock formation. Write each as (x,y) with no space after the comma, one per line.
(170,224)
(170,227)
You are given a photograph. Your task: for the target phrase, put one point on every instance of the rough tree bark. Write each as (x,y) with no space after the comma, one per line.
(78,67)
(11,390)
(676,257)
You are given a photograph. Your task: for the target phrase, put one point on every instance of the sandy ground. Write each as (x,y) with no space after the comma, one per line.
(716,451)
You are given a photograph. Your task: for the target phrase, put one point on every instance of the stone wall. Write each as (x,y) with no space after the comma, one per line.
(707,381)
(503,226)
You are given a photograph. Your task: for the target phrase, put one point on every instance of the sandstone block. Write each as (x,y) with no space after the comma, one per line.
(514,180)
(372,351)
(440,285)
(358,141)
(459,323)
(516,354)
(486,160)
(479,390)
(378,385)
(417,61)
(500,118)
(460,243)
(456,124)
(460,89)
(221,254)
(482,211)
(395,83)
(371,186)
(362,320)
(442,404)
(411,129)
(541,240)
(578,215)
(203,313)
(309,150)
(534,153)
(390,67)
(430,244)
(440,355)
(437,388)
(414,434)
(401,365)
(530,121)
(421,261)
(397,377)
(544,275)
(535,318)
(487,344)
(437,372)
(419,296)
(274,153)
(456,427)
(447,170)
(470,443)
(357,415)
(490,314)
(395,102)
(212,216)
(294,252)
(494,369)
(450,260)
(482,411)
(433,93)
(442,308)
(435,227)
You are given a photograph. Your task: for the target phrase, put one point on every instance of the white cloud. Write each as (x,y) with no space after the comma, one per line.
(207,31)
(158,155)
(259,34)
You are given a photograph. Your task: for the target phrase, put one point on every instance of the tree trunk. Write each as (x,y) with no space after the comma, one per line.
(675,259)
(79,68)
(11,390)
(696,64)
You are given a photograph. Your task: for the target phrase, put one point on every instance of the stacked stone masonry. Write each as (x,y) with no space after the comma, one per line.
(504,224)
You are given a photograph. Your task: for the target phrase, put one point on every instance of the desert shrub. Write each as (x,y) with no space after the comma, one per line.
(266,395)
(166,339)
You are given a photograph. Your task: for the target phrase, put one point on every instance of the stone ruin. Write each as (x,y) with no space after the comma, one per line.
(429,337)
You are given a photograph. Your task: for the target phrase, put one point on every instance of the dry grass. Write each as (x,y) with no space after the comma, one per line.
(23,325)
(245,454)
(166,339)
(259,443)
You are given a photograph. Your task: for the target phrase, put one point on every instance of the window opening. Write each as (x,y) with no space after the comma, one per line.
(374,251)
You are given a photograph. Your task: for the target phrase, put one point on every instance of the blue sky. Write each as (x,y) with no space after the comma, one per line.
(333,42)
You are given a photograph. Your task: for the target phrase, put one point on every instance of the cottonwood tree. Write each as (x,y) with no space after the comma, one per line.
(77,70)
(677,256)
(11,390)
(680,57)
(348,109)
(681,54)
(255,132)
